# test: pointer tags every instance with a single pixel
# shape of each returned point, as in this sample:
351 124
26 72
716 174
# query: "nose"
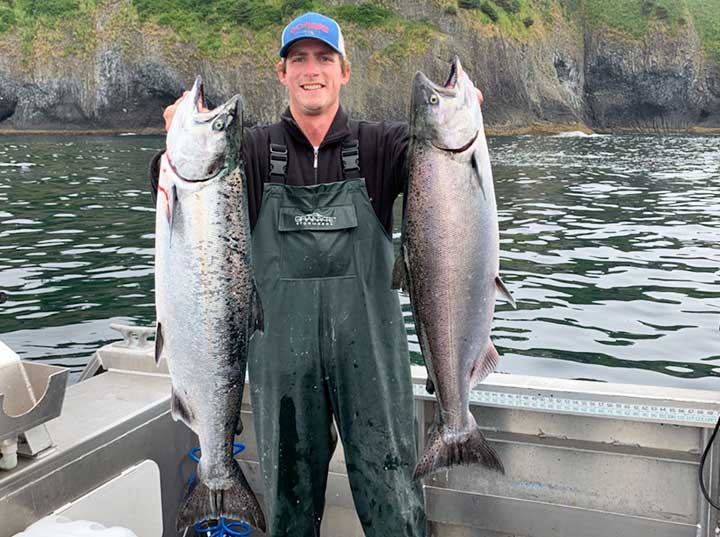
311 67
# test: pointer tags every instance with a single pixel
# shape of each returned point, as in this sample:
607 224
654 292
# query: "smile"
311 87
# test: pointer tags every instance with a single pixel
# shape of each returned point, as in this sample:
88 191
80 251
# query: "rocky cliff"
115 70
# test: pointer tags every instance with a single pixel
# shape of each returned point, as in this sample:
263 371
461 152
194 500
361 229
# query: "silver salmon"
449 261
206 299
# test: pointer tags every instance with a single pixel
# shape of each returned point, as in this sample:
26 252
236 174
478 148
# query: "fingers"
169 112
481 97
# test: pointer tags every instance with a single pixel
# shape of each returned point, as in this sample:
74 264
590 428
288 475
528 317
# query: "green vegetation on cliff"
635 18
218 26
227 28
706 16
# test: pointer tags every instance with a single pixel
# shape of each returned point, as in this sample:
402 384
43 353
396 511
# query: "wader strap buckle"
278 160
351 159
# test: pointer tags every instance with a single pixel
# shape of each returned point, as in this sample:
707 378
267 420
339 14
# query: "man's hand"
169 112
481 97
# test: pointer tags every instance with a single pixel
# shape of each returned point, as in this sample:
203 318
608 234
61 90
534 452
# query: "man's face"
313 76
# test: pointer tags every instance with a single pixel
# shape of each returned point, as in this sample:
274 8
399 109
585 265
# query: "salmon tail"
237 502
444 450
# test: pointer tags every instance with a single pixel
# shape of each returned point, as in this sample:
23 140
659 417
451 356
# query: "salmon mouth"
459 149
453 76
199 91
200 103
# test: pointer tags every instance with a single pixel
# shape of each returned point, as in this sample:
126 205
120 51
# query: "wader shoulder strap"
278 155
350 155
351 159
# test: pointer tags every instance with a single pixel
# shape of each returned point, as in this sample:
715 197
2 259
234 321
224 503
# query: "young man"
321 191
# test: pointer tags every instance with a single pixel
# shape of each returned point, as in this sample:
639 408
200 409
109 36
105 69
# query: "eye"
219 124
433 99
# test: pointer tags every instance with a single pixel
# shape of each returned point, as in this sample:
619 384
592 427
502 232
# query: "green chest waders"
334 346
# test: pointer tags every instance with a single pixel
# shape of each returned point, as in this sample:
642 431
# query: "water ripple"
609 245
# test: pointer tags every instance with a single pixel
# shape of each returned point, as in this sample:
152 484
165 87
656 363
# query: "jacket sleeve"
383 154
397 140
256 161
155 175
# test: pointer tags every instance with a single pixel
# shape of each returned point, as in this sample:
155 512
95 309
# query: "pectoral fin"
167 197
173 206
478 172
504 291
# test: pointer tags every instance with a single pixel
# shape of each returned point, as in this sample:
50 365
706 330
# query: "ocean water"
610 246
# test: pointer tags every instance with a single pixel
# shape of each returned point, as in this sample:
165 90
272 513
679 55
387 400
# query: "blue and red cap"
313 26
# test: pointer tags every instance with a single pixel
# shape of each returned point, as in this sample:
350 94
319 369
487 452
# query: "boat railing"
582 458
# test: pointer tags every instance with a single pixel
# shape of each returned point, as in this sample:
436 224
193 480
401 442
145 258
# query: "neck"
314 127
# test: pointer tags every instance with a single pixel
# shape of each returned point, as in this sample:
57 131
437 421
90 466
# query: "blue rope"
224 527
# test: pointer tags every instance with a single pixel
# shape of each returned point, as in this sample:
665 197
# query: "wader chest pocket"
317 243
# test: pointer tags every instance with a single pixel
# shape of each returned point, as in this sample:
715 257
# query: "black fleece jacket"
383 150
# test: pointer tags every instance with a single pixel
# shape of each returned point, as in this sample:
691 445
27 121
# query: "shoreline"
560 128
532 129
82 132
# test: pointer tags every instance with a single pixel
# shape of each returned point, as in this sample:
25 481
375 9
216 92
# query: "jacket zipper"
316 150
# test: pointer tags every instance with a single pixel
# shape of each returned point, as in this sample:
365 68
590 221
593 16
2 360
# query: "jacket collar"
339 128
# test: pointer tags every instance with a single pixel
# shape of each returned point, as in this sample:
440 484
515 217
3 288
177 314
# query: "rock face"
566 75
107 93
655 84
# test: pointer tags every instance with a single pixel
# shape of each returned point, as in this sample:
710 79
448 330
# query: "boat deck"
582 458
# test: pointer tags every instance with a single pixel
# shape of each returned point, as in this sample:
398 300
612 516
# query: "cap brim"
286 48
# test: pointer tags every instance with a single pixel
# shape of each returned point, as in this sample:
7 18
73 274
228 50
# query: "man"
321 191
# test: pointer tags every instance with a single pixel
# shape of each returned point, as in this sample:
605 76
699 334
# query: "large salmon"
206 300
449 261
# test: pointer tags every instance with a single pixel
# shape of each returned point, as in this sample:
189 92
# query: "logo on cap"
316 26
310 26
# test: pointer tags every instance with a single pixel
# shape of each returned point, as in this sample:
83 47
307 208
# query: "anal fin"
179 410
429 386
159 342
485 364
399 275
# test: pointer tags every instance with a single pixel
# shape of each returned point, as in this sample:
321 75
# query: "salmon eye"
434 99
219 124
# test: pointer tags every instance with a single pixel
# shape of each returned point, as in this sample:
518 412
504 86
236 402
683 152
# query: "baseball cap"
315 26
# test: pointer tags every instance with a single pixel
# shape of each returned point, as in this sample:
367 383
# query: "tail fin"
236 502
443 452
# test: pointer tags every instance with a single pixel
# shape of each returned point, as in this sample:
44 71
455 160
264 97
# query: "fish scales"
206 300
449 261
453 298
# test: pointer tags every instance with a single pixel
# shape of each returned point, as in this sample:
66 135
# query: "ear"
346 75
280 73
